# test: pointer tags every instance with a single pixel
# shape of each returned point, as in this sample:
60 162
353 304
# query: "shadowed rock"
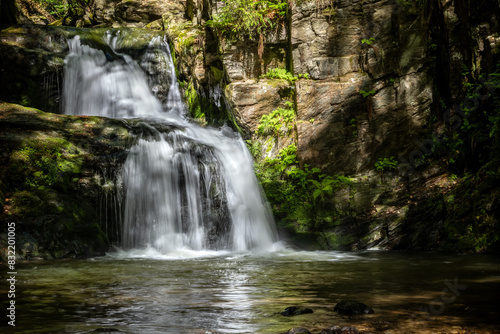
298 330
340 330
294 310
351 307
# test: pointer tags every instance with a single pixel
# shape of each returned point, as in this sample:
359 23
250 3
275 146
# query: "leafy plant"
302 193
353 123
281 74
365 94
280 120
384 164
368 41
247 18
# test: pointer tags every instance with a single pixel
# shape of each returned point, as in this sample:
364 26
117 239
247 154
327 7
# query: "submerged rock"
298 330
339 330
294 310
352 307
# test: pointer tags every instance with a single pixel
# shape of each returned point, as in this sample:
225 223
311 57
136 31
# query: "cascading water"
189 187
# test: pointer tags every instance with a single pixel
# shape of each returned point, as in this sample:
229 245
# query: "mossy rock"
51 167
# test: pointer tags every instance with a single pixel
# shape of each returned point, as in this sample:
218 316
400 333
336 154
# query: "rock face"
58 179
250 100
133 13
380 75
32 65
351 131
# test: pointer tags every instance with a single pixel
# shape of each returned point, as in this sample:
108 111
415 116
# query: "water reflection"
242 292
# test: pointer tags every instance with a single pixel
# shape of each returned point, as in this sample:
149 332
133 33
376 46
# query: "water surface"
226 292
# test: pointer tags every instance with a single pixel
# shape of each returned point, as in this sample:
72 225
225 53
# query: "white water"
192 188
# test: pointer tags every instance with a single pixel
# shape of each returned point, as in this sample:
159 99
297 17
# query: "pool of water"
220 292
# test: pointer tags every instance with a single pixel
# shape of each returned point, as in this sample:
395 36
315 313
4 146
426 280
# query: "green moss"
194 102
217 74
330 240
48 161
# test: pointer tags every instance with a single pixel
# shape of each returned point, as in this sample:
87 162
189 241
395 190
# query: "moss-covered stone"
51 167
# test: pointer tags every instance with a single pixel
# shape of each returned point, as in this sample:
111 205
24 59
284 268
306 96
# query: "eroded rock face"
32 65
350 131
60 176
250 100
133 13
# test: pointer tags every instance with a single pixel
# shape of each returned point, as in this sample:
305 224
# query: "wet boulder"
294 310
352 307
340 330
298 330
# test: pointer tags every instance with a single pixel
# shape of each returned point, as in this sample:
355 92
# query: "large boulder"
60 180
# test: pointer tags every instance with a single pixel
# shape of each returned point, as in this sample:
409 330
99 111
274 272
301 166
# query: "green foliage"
185 43
365 94
62 8
353 123
278 121
239 19
472 137
384 164
494 115
368 41
282 74
473 225
46 163
303 193
194 102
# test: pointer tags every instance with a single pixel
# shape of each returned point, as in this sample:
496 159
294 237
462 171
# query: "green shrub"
303 193
368 41
280 74
248 18
384 164
62 8
365 94
280 120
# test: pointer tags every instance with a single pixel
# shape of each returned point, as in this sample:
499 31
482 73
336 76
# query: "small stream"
227 292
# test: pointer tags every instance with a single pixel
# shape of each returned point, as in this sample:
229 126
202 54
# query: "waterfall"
188 187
